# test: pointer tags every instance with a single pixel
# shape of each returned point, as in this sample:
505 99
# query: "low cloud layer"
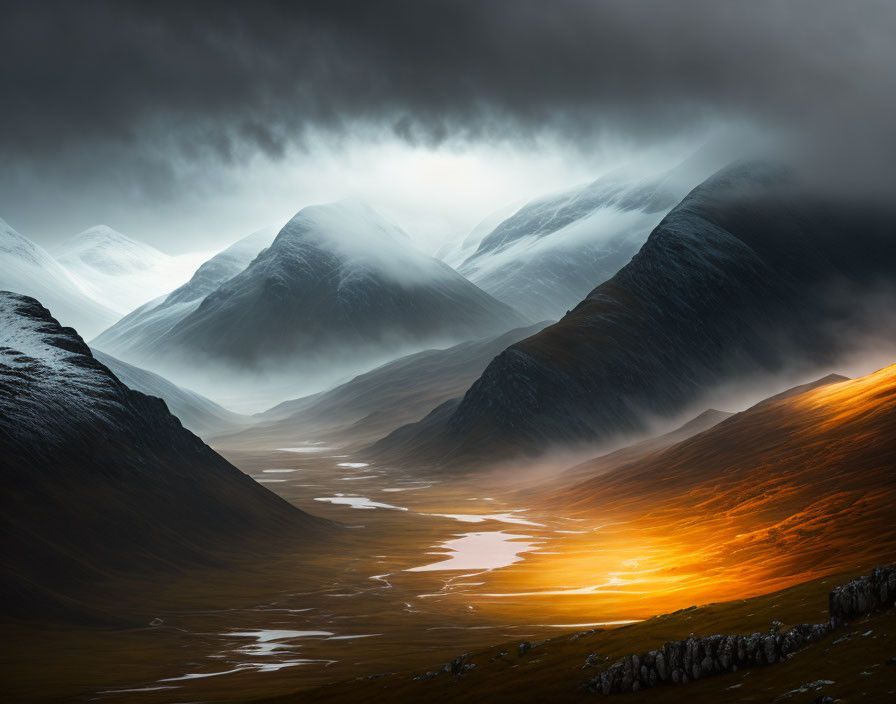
155 101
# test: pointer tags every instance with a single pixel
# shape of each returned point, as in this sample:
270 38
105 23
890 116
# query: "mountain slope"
119 272
545 257
99 480
380 400
197 413
339 284
794 484
645 448
455 253
27 268
745 277
639 450
134 333
552 252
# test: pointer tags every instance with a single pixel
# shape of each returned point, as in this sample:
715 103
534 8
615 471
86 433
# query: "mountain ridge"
333 278
27 268
718 270
108 482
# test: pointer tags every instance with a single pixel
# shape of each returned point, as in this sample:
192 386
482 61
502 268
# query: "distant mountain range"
746 276
122 273
376 402
339 286
134 335
99 480
28 268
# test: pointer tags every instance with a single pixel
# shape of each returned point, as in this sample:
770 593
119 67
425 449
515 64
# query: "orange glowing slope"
788 490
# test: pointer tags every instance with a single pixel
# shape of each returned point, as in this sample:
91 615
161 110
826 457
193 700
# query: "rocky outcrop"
863 595
680 662
457 667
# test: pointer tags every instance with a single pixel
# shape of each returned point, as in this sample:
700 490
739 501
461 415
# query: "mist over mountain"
197 413
135 332
340 459
28 268
809 470
108 481
747 276
550 253
339 285
376 402
119 272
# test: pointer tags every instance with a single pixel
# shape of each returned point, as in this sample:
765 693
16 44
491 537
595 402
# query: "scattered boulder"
456 666
582 634
526 646
808 687
594 659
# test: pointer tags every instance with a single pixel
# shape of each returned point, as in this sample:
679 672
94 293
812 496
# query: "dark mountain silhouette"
746 276
101 482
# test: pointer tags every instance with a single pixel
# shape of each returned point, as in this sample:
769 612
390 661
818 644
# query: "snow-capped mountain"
547 255
455 253
28 268
98 480
340 285
134 333
122 273
746 278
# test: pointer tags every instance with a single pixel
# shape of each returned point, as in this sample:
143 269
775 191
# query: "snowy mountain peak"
121 272
109 252
20 247
100 233
27 268
361 238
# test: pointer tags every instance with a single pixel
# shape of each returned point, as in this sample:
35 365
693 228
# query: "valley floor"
374 600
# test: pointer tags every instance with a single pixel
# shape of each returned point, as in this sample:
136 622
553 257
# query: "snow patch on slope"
59 385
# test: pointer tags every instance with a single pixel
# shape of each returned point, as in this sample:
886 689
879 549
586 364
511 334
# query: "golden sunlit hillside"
784 492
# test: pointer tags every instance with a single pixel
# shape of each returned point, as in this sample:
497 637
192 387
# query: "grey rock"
680 662
661 666
455 667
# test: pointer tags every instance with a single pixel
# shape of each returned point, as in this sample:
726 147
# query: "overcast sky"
190 124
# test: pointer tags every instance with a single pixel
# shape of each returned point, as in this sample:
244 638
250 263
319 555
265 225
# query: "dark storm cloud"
224 74
141 88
